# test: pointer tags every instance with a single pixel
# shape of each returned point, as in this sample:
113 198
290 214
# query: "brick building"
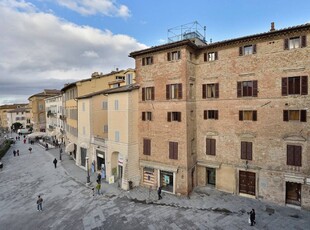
231 114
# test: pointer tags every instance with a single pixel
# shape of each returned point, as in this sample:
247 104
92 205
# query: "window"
293 155
210 146
146 116
120 78
295 42
174 91
104 105
250 115
116 104
147 60
175 55
210 114
148 93
129 78
174 116
210 90
211 56
117 136
173 150
295 85
146 146
247 89
295 115
247 50
246 150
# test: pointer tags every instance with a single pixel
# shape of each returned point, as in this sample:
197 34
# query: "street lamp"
88 177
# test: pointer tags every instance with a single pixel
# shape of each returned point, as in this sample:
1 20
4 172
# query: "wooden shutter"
205 114
143 61
179 116
153 93
249 150
169 116
167 92
213 144
216 114
217 92
254 115
144 146
170 150
286 43
240 51
284 86
176 150
254 88
143 116
208 146
205 57
152 60
241 115
297 155
169 56
239 89
179 91
204 91
254 49
303 41
304 85
215 55
179 54
243 150
285 115
150 115
303 115
290 155
143 94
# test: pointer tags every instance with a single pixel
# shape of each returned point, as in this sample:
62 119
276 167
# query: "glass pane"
248 50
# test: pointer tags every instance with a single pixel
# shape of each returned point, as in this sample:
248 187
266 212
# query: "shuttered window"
147 61
246 150
294 155
148 94
248 115
174 116
295 42
146 116
295 85
247 50
210 146
295 115
174 91
210 56
210 90
211 114
247 89
173 150
175 55
146 146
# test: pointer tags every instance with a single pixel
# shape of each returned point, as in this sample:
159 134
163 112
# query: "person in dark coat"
252 217
14 152
99 178
159 193
55 162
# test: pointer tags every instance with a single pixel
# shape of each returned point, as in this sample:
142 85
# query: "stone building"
232 115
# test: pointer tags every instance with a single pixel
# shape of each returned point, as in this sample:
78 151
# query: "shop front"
167 181
101 167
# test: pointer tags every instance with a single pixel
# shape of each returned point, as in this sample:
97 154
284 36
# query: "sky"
45 44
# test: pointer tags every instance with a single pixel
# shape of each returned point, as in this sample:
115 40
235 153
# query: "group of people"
16 152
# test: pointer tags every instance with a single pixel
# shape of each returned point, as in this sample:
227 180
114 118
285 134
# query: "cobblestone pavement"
70 204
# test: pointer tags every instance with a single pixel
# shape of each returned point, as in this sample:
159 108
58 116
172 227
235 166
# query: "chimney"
272 27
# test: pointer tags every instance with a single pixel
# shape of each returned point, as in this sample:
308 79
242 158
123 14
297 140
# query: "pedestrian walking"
252 217
30 149
99 178
159 193
24 141
98 187
17 152
39 203
14 153
46 146
55 162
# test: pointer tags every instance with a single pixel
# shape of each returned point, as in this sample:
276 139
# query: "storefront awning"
160 166
69 147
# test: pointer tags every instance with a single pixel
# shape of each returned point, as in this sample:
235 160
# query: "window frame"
147 116
174 55
148 93
147 60
294 155
290 85
302 42
174 91
147 146
302 115
210 114
242 115
242 50
173 150
174 116
247 91
210 56
210 90
246 150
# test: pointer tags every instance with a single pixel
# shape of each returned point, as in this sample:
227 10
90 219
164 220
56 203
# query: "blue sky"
46 43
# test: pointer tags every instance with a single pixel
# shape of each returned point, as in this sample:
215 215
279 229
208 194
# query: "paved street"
70 204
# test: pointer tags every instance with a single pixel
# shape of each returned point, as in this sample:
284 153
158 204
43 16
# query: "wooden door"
247 182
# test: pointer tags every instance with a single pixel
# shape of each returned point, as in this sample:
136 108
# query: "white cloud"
92 7
39 50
